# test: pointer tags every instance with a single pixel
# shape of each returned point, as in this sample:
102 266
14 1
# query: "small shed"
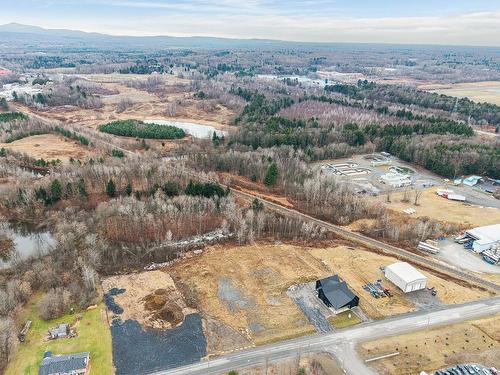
405 277
62 330
336 294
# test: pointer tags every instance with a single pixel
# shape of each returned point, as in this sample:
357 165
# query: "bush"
117 153
135 128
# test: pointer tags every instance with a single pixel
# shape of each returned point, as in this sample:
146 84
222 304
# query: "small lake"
194 129
28 240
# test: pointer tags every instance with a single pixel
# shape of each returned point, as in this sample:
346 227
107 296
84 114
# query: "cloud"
475 29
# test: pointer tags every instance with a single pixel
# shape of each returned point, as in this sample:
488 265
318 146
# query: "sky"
459 22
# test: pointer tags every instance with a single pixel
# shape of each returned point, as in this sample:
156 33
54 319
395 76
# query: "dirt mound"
163 307
151 298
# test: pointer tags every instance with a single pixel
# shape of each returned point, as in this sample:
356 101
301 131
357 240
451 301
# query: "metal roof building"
335 293
405 277
484 237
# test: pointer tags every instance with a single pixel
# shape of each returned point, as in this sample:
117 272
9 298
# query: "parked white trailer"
405 277
428 248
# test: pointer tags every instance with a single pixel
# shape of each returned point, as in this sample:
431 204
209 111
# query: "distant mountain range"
15 34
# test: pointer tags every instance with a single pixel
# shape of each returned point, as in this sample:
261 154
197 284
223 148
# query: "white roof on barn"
490 233
406 272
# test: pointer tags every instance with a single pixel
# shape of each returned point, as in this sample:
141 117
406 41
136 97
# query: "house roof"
63 363
337 292
406 272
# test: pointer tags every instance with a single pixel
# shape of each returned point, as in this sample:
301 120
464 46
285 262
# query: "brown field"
488 91
476 341
441 209
260 274
147 105
49 147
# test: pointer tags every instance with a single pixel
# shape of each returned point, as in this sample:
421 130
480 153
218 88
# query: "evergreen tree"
41 195
3 104
81 188
128 189
111 189
55 191
271 175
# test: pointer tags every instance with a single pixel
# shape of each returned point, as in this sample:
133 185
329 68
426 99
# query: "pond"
28 240
194 129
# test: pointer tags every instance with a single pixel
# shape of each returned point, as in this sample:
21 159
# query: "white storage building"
405 277
395 179
484 237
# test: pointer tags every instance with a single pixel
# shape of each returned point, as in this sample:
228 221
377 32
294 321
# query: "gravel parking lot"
455 254
305 296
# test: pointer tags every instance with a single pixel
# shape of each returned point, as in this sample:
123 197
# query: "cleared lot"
475 341
245 288
49 147
441 209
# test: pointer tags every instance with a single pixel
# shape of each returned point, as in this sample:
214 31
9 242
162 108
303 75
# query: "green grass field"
94 336
342 320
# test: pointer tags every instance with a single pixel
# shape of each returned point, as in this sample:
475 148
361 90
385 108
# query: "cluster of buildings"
336 294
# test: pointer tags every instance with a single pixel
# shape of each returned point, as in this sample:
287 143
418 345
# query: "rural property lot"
49 147
476 341
441 209
93 335
245 287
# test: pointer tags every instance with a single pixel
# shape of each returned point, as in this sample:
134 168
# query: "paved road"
342 342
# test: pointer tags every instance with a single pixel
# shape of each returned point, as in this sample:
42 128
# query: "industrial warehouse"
483 240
